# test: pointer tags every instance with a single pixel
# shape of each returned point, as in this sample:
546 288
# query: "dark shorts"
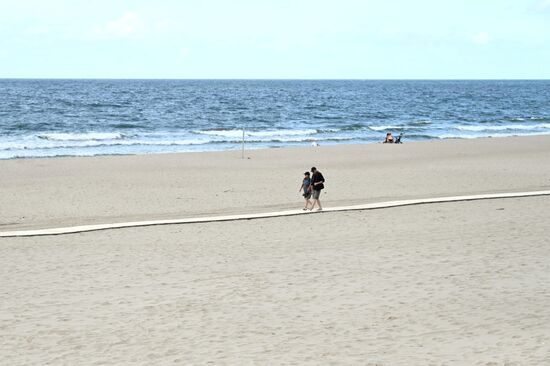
316 194
307 195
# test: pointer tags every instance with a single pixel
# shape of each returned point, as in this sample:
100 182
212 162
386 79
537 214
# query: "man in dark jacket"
317 184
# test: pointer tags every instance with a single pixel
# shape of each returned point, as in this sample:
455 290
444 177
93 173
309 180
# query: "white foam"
222 133
457 136
93 136
266 133
383 128
495 134
301 139
275 133
503 127
165 142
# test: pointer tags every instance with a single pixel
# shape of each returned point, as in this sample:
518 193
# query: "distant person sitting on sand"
306 187
392 140
317 184
389 138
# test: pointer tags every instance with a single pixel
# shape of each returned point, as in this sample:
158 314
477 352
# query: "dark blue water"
92 117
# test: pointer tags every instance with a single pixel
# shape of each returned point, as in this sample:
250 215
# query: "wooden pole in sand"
242 155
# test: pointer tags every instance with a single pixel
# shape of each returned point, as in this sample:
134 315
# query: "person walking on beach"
306 187
317 184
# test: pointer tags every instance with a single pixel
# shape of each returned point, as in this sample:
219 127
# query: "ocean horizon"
88 117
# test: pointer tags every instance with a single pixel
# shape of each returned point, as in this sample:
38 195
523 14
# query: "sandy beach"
443 284
39 193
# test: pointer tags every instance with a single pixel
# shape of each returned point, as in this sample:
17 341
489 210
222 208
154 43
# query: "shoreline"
238 149
171 116
56 192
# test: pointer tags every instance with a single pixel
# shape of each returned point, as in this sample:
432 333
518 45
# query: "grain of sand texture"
443 284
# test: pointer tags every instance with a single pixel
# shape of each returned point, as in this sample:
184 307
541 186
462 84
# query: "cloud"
543 5
129 24
481 38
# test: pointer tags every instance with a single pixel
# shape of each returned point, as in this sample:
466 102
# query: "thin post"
242 155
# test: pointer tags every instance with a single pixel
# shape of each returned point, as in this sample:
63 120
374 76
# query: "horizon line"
279 79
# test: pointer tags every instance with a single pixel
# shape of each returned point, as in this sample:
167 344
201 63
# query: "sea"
49 118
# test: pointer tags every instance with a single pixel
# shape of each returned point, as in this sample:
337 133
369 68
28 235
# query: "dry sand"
444 284
59 192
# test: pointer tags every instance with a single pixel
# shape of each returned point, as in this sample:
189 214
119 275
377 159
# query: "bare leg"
313 204
307 203
317 201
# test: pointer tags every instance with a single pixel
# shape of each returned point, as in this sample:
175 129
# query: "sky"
277 39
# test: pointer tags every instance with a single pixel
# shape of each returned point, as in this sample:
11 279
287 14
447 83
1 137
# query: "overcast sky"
304 39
